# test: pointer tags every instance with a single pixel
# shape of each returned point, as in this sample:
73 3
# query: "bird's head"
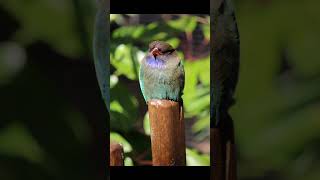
159 49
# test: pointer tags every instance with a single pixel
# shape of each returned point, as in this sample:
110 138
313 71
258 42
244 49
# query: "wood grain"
167 133
217 155
116 154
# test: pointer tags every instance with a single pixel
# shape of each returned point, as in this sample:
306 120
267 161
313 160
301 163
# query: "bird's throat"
155 63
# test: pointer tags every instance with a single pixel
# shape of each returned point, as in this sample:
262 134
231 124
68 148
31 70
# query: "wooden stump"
223 152
167 133
116 154
217 155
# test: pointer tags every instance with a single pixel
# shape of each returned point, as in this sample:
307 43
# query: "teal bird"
101 50
161 74
225 54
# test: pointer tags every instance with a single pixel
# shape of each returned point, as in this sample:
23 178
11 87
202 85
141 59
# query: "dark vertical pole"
217 155
223 151
167 133
230 151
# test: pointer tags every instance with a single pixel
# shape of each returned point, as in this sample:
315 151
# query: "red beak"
155 52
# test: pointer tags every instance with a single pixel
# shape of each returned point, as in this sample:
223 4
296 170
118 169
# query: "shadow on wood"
116 154
217 155
167 133
223 151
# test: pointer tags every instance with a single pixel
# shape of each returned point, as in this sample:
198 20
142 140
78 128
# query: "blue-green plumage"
161 73
101 51
225 56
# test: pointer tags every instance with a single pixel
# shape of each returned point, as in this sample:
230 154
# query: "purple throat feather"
155 62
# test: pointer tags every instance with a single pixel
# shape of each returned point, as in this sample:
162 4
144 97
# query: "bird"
225 52
161 73
224 66
101 50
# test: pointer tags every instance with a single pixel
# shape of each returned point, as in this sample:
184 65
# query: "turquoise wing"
101 53
141 81
225 54
182 78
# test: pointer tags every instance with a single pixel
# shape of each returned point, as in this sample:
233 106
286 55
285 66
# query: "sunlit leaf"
146 124
113 80
174 42
115 137
16 140
185 23
206 31
125 61
196 159
129 31
203 123
128 161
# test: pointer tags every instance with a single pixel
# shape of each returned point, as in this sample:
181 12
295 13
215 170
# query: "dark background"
277 112
52 117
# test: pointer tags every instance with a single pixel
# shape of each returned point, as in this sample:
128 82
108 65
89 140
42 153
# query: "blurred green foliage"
54 22
47 131
277 113
129 43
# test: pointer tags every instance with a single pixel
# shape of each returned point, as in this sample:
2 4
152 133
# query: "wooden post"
116 154
167 133
217 155
223 151
231 161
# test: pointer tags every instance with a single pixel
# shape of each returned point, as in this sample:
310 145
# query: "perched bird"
101 51
225 51
161 74
225 54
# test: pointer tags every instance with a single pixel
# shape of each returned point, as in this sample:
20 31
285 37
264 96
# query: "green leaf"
13 58
128 161
199 104
113 80
206 31
134 32
38 22
174 42
185 23
190 81
160 35
204 73
116 107
196 159
200 124
123 109
146 124
115 137
16 140
125 61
